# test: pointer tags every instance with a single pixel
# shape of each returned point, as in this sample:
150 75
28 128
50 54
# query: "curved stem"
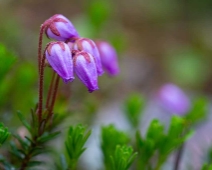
40 102
50 90
40 46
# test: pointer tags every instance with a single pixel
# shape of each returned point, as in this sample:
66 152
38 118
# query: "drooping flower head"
60 59
60 28
88 45
173 99
85 69
108 57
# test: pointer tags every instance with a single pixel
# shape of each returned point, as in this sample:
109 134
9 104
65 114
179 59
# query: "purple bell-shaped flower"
88 45
59 57
85 69
172 98
108 57
60 28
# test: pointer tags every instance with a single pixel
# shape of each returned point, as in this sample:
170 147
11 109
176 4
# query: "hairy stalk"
54 87
50 90
40 46
40 102
54 97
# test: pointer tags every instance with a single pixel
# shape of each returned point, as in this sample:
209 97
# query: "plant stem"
50 90
40 46
54 97
28 156
40 102
35 143
178 156
72 165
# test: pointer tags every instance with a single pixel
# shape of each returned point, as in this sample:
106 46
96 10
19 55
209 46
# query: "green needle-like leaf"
3 134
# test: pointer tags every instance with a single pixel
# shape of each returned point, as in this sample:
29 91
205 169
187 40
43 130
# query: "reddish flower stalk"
40 46
40 102
50 90
56 85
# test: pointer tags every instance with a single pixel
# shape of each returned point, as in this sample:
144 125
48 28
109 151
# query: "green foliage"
7 60
25 149
98 12
157 144
47 136
23 120
122 158
207 167
208 161
133 108
77 136
111 137
3 134
18 79
186 66
198 111
24 78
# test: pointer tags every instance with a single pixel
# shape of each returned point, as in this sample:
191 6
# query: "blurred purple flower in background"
85 68
59 57
88 45
172 98
108 57
60 28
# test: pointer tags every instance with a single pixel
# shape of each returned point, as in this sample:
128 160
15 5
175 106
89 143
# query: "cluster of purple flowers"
72 53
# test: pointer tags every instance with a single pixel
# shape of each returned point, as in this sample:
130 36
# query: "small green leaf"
15 151
122 158
111 137
133 107
34 163
24 121
24 142
155 131
39 150
3 134
47 136
198 111
77 136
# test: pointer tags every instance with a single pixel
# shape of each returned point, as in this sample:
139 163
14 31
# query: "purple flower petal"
174 99
59 57
108 57
87 45
60 28
85 68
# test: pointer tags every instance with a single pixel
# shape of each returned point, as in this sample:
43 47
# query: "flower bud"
173 99
87 45
60 28
108 57
59 57
85 68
